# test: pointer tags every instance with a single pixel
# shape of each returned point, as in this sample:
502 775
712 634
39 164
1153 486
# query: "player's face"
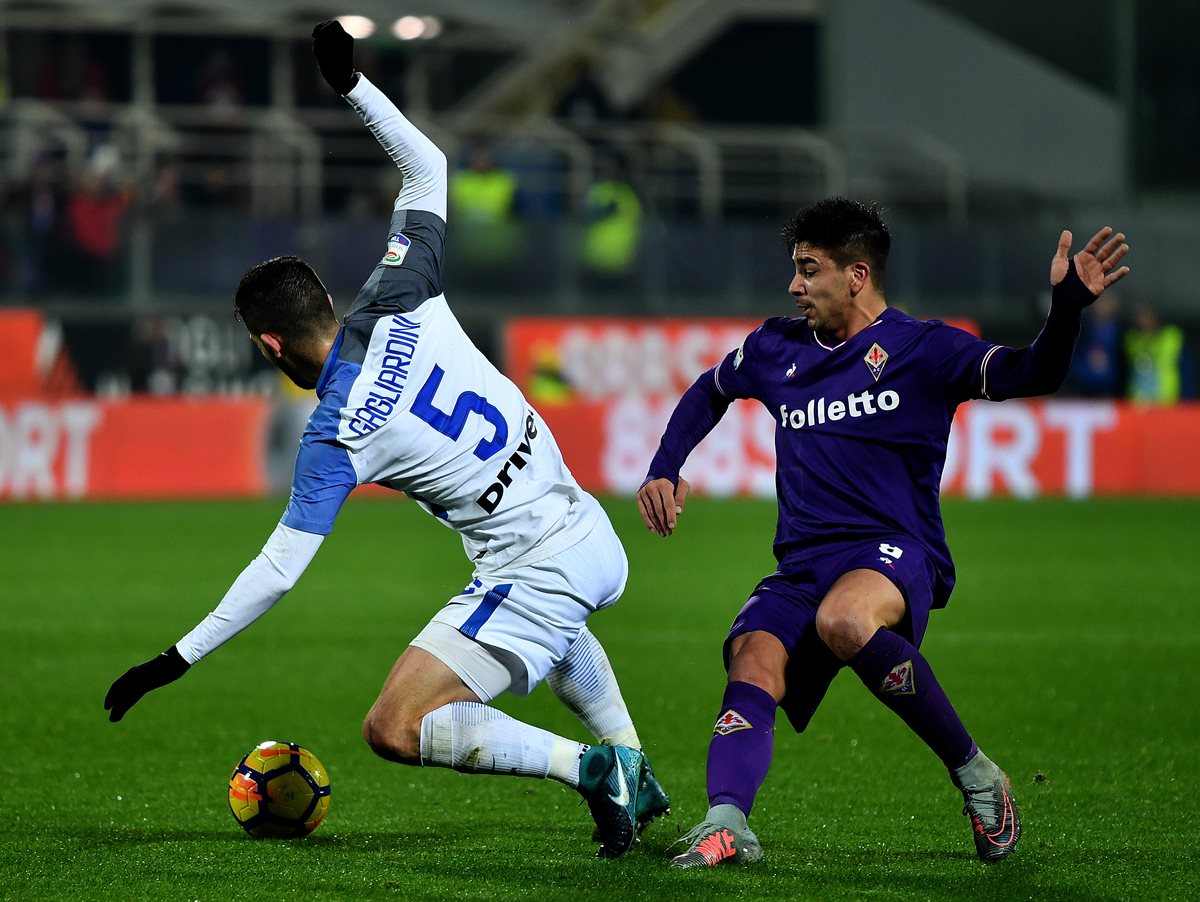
821 289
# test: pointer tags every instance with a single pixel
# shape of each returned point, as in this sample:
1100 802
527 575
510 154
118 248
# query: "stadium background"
612 159
644 156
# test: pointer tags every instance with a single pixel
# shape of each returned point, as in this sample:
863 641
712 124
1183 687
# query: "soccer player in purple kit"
863 398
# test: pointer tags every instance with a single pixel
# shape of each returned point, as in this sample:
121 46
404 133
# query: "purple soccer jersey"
861 427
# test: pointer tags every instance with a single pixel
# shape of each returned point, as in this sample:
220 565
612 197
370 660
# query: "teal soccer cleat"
653 801
610 779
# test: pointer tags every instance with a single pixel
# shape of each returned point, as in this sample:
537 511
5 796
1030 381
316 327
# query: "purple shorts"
785 605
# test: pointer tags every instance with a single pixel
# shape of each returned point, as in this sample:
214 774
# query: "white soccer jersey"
407 401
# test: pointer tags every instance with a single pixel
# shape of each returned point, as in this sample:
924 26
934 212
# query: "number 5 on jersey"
452 424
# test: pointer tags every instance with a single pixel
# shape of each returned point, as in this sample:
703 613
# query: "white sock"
979 771
565 755
727 816
479 739
584 681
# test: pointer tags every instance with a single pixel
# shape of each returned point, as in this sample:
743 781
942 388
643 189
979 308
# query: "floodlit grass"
1070 648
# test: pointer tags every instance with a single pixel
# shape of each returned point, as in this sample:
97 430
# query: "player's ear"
860 276
271 342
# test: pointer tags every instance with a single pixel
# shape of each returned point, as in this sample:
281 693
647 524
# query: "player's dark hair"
845 229
283 295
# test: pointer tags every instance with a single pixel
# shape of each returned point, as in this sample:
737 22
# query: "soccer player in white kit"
407 401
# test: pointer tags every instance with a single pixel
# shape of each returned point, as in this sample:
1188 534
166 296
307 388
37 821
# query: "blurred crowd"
1138 357
67 215
67 211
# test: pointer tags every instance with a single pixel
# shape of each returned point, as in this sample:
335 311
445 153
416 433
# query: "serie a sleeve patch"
397 249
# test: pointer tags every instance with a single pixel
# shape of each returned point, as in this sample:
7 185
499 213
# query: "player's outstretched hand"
334 51
137 681
660 503
1096 264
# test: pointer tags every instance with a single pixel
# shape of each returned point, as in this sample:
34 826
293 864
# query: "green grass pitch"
1070 648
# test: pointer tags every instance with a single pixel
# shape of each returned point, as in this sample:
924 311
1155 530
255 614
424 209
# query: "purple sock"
892 668
740 751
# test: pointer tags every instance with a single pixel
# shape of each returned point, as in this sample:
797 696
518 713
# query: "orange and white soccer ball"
280 789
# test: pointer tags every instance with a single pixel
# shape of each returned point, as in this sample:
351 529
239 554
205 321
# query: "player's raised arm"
411 270
421 162
1076 282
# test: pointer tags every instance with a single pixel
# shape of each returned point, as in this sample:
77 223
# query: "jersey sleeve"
1041 368
410 271
265 580
323 477
970 368
962 359
734 375
421 163
698 411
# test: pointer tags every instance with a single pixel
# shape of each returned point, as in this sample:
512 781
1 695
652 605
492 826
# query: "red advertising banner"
137 448
607 387
57 443
560 360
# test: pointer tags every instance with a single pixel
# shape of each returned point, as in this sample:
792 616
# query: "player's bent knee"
830 623
843 629
392 738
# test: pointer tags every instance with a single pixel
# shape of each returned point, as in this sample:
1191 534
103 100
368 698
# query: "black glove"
137 681
334 51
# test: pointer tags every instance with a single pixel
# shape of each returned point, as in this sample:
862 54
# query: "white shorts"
508 628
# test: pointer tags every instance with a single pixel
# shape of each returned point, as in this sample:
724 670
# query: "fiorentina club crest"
731 722
875 359
899 680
